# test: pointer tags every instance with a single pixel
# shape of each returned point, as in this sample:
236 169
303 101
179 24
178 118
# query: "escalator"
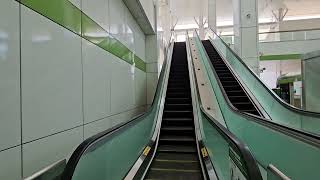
174 139
232 87
274 145
176 156
269 104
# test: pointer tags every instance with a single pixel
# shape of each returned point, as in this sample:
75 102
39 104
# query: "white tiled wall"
51 77
71 88
97 11
96 82
9 75
10 164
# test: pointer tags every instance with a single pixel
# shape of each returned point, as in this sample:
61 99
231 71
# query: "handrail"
277 172
81 149
250 162
282 102
43 172
309 138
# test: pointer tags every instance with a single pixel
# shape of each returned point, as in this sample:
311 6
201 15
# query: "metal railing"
281 36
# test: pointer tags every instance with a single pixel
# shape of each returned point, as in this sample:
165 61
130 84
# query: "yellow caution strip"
204 152
146 150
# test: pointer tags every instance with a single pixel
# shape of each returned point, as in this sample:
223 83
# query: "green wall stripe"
280 57
69 16
140 63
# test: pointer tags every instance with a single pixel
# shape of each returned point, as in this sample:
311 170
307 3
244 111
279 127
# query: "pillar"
245 19
212 15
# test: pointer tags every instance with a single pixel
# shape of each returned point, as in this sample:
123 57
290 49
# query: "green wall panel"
280 57
69 16
92 32
139 63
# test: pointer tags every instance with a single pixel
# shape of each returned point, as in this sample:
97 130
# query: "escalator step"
178 100
178 94
177 121
179 156
175 164
177 89
185 106
177 113
178 128
171 174
175 138
177 148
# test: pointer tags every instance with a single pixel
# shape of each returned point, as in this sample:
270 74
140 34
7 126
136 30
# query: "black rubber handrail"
81 149
312 139
286 105
243 150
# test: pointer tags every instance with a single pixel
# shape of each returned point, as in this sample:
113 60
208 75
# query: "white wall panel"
51 77
58 69
96 81
117 19
140 42
152 80
140 87
10 126
130 30
107 123
122 86
10 164
43 152
98 11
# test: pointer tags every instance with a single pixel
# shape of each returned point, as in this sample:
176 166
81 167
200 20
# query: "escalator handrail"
275 96
306 137
249 160
81 149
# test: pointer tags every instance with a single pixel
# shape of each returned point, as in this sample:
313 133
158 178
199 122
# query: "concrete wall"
59 86
289 47
299 24
149 8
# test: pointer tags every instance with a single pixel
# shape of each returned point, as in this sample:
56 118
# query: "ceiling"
186 10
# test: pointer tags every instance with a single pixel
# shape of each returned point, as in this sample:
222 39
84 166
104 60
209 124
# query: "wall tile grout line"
79 126
11 147
82 77
114 115
20 56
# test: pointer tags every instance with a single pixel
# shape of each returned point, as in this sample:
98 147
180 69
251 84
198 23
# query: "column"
245 19
212 15
152 66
